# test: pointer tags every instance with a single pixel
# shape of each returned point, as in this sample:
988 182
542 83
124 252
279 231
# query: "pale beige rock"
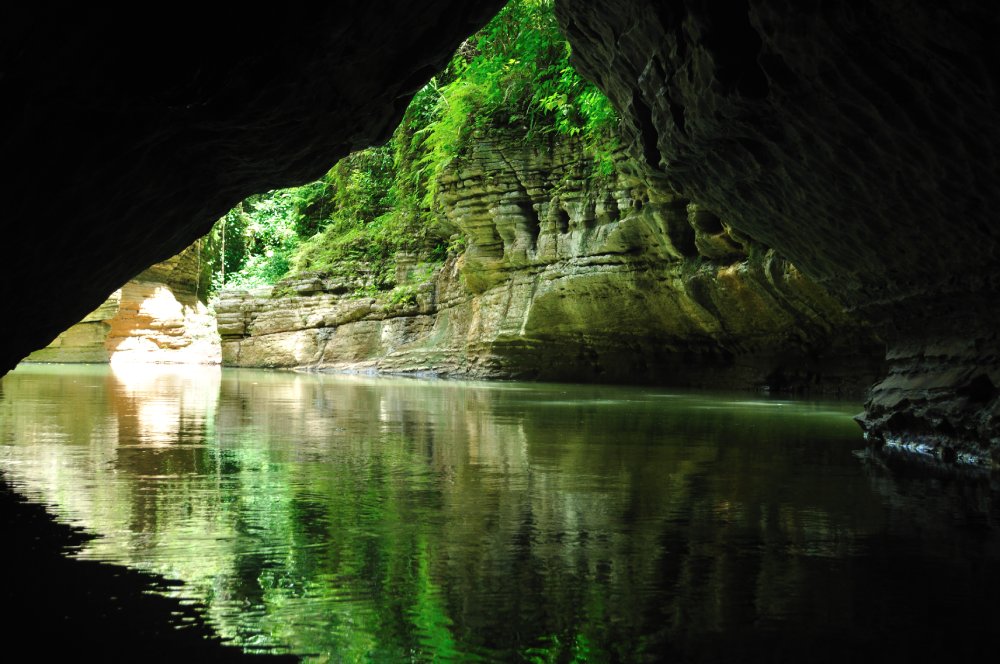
155 318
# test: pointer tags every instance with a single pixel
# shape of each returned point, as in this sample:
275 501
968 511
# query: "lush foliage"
512 77
374 214
256 239
515 73
264 237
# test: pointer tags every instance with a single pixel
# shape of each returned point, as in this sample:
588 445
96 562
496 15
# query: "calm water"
367 519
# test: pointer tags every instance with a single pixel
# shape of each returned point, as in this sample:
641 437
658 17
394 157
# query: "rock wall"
572 276
156 317
860 141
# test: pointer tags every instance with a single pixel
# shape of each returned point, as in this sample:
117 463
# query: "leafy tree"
256 240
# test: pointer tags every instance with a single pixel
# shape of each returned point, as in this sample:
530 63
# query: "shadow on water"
59 608
389 519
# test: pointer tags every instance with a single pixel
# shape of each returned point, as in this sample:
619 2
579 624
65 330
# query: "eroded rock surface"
861 142
570 275
156 317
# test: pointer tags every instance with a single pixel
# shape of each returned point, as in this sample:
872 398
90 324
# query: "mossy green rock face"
569 275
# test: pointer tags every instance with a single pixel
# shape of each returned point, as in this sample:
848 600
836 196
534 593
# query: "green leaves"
255 240
513 74
512 77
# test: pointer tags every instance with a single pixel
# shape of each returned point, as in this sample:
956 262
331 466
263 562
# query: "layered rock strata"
862 142
156 317
570 275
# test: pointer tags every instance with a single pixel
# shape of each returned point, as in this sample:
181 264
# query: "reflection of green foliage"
430 615
408 520
552 649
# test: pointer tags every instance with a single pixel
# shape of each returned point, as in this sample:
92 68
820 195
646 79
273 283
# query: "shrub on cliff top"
512 77
514 74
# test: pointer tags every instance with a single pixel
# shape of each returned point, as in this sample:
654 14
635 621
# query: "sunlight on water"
347 518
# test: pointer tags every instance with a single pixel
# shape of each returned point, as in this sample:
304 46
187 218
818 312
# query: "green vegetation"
254 242
513 77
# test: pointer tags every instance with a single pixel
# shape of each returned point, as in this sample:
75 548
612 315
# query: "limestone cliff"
568 274
156 317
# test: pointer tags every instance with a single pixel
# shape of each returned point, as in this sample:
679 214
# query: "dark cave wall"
859 140
123 143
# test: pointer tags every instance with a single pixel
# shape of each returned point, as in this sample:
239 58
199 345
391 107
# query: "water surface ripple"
379 519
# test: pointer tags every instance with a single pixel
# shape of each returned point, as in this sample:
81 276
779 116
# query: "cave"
860 142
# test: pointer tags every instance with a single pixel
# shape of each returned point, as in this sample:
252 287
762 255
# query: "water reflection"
390 519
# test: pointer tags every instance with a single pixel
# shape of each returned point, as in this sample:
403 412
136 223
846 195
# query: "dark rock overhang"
862 141
125 137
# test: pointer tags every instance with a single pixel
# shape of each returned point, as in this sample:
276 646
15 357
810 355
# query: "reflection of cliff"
937 496
155 317
374 517
146 423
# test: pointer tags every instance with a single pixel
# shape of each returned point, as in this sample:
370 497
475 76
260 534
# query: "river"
349 518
